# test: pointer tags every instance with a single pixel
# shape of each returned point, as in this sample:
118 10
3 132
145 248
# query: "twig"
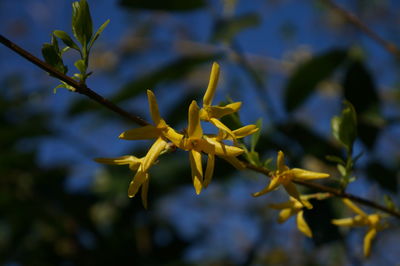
81 88
388 46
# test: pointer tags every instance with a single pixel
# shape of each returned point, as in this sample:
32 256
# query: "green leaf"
98 32
53 58
306 77
256 136
67 40
171 5
226 29
344 127
80 65
335 159
82 25
57 87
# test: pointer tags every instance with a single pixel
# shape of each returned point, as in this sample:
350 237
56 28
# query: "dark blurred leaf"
359 88
227 28
344 126
319 219
170 72
307 76
164 5
384 176
368 132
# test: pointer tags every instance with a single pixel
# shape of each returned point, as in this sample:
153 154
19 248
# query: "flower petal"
216 111
133 161
146 132
368 241
285 214
280 206
209 169
194 127
136 182
221 126
144 192
307 175
197 170
153 153
245 131
352 221
155 113
280 162
273 184
212 85
174 137
302 224
209 145
354 207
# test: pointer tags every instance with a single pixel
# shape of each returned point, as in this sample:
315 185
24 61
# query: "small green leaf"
306 77
59 86
256 136
342 170
80 65
82 25
344 127
53 58
66 39
98 32
335 159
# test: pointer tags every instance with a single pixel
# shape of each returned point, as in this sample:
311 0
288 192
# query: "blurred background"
290 62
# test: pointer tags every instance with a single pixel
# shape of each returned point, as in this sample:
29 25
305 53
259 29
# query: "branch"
388 46
81 88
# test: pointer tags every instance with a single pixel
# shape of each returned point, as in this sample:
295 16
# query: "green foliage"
306 77
171 5
344 127
52 55
82 25
66 39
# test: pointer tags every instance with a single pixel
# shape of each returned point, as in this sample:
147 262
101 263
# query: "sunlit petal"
280 162
307 175
353 221
133 161
209 169
212 146
220 111
153 153
368 241
155 113
245 131
212 85
174 137
194 127
302 225
354 207
146 132
136 182
197 170
285 214
292 191
273 184
221 126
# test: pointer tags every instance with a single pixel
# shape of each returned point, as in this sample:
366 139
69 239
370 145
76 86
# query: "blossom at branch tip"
212 113
141 166
294 207
372 221
284 176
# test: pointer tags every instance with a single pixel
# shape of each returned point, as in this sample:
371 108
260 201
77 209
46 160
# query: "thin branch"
388 46
80 88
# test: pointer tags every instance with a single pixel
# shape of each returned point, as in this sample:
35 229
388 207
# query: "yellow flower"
141 165
372 221
196 142
284 176
290 208
212 113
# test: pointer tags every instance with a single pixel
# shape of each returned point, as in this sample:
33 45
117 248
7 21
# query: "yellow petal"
212 85
292 191
136 182
220 111
221 126
155 114
273 184
354 207
285 214
133 161
352 221
245 131
238 164
209 145
144 192
283 205
307 175
153 153
197 170
302 225
174 137
146 132
209 169
280 162
368 241
194 127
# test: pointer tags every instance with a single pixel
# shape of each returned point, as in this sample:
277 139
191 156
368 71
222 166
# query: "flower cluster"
192 140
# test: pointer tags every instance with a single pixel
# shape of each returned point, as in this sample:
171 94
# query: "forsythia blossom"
372 221
284 176
193 140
